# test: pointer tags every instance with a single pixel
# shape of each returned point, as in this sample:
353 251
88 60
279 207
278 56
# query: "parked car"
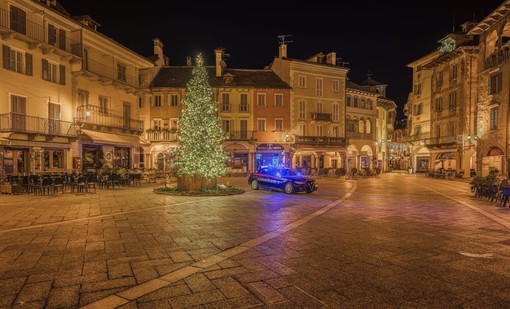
281 179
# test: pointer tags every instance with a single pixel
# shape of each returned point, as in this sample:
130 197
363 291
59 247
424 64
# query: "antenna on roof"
283 38
339 62
453 22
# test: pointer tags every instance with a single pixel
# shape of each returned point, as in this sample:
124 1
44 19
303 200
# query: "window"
302 110
319 107
318 87
417 131
243 129
16 60
174 123
103 104
355 102
157 124
494 119
336 112
439 105
417 89
158 100
368 126
18 110
261 124
335 85
140 102
336 131
417 110
278 100
368 104
121 72
53 124
18 20
56 37
452 104
302 81
351 125
278 124
361 126
454 71
243 106
451 128
438 130
174 100
261 99
225 102
226 125
319 130
302 129
495 83
348 101
53 72
83 98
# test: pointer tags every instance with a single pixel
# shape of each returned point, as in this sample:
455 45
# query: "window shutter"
45 69
62 39
28 63
6 54
62 75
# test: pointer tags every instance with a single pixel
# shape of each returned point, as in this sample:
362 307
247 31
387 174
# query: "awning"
111 138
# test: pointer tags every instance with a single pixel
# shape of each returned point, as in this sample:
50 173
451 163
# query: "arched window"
355 104
368 126
361 126
362 104
348 101
369 104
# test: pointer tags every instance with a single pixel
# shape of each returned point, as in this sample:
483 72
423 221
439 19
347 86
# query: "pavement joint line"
123 297
479 210
24 228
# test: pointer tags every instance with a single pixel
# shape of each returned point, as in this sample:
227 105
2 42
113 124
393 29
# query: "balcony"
18 123
36 35
321 117
362 136
244 108
320 141
161 135
444 141
94 116
239 135
417 137
108 75
497 57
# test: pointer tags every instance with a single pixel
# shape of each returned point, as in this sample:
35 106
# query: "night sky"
380 37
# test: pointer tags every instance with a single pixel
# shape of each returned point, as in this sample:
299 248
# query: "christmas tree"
201 158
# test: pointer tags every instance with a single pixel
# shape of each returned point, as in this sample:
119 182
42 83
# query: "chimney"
282 51
188 61
331 58
219 54
158 51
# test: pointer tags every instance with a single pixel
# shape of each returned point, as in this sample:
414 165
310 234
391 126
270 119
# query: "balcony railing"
109 72
321 141
39 33
497 57
12 122
442 140
321 117
238 135
91 114
358 135
417 137
161 135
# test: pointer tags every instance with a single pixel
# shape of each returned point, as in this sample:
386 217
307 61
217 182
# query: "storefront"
271 154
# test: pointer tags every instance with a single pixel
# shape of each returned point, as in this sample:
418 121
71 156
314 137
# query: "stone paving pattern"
399 240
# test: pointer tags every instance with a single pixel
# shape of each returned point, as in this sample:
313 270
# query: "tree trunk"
195 183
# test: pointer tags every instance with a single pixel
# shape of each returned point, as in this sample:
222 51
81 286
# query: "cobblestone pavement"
399 240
